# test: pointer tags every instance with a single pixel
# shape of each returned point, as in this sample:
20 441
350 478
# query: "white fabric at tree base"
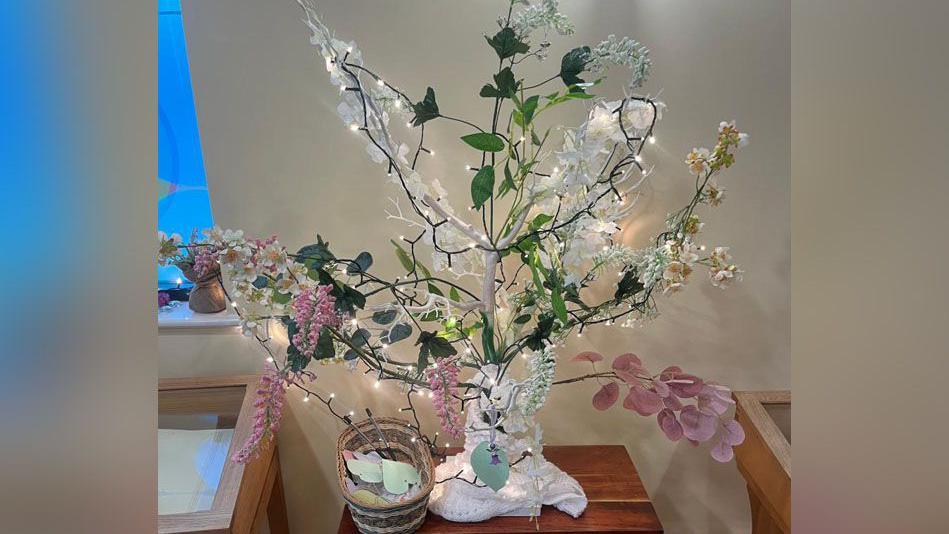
459 501
532 481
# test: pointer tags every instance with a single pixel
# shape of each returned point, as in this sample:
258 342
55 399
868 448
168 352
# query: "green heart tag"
491 467
369 498
366 471
397 476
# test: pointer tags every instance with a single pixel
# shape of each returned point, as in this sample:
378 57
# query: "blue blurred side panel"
183 202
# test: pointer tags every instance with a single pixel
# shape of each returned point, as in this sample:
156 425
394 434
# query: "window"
183 201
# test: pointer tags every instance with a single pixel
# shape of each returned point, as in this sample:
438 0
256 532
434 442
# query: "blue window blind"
183 201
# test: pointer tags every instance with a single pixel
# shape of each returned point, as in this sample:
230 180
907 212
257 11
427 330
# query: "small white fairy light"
431 153
332 395
269 359
652 139
472 244
467 167
430 395
638 158
354 126
351 413
380 82
408 125
398 104
377 384
556 170
385 346
354 322
522 139
307 398
349 49
412 440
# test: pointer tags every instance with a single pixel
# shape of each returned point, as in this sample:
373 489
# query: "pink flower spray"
312 310
271 395
442 379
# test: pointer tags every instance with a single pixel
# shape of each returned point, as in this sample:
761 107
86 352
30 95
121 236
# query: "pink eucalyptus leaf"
628 362
722 452
672 402
669 372
642 401
710 402
660 388
588 356
733 433
685 385
669 424
697 425
606 397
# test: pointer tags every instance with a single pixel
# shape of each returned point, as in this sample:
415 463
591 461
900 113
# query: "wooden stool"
618 501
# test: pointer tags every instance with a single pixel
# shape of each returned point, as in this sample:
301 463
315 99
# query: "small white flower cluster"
168 247
542 366
721 271
544 14
246 263
578 180
624 52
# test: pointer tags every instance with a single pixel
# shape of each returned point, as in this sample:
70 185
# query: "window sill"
181 317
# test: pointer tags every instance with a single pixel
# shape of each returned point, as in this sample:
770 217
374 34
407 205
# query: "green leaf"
522 319
425 110
454 295
506 44
629 285
540 220
403 256
484 141
361 264
573 63
482 186
545 325
348 299
384 317
397 333
558 305
487 340
297 360
431 345
433 289
508 183
528 109
324 347
316 255
360 337
505 85
350 355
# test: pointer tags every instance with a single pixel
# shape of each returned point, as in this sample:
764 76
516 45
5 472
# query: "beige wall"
280 162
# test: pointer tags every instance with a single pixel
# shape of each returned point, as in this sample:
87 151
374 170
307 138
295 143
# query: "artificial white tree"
510 276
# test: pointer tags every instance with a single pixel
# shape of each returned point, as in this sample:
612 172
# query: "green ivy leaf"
484 141
454 295
505 85
573 63
508 183
361 264
482 186
425 110
432 346
629 285
506 44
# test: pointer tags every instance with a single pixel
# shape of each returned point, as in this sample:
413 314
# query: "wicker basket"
396 518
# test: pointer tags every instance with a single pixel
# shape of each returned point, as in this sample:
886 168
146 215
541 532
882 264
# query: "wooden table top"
617 499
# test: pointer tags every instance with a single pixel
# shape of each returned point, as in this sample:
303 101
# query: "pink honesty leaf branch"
606 396
588 356
643 401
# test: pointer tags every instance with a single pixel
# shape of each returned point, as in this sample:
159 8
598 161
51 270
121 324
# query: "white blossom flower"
697 160
721 271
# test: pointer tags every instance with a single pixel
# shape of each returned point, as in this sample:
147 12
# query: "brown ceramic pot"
207 296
